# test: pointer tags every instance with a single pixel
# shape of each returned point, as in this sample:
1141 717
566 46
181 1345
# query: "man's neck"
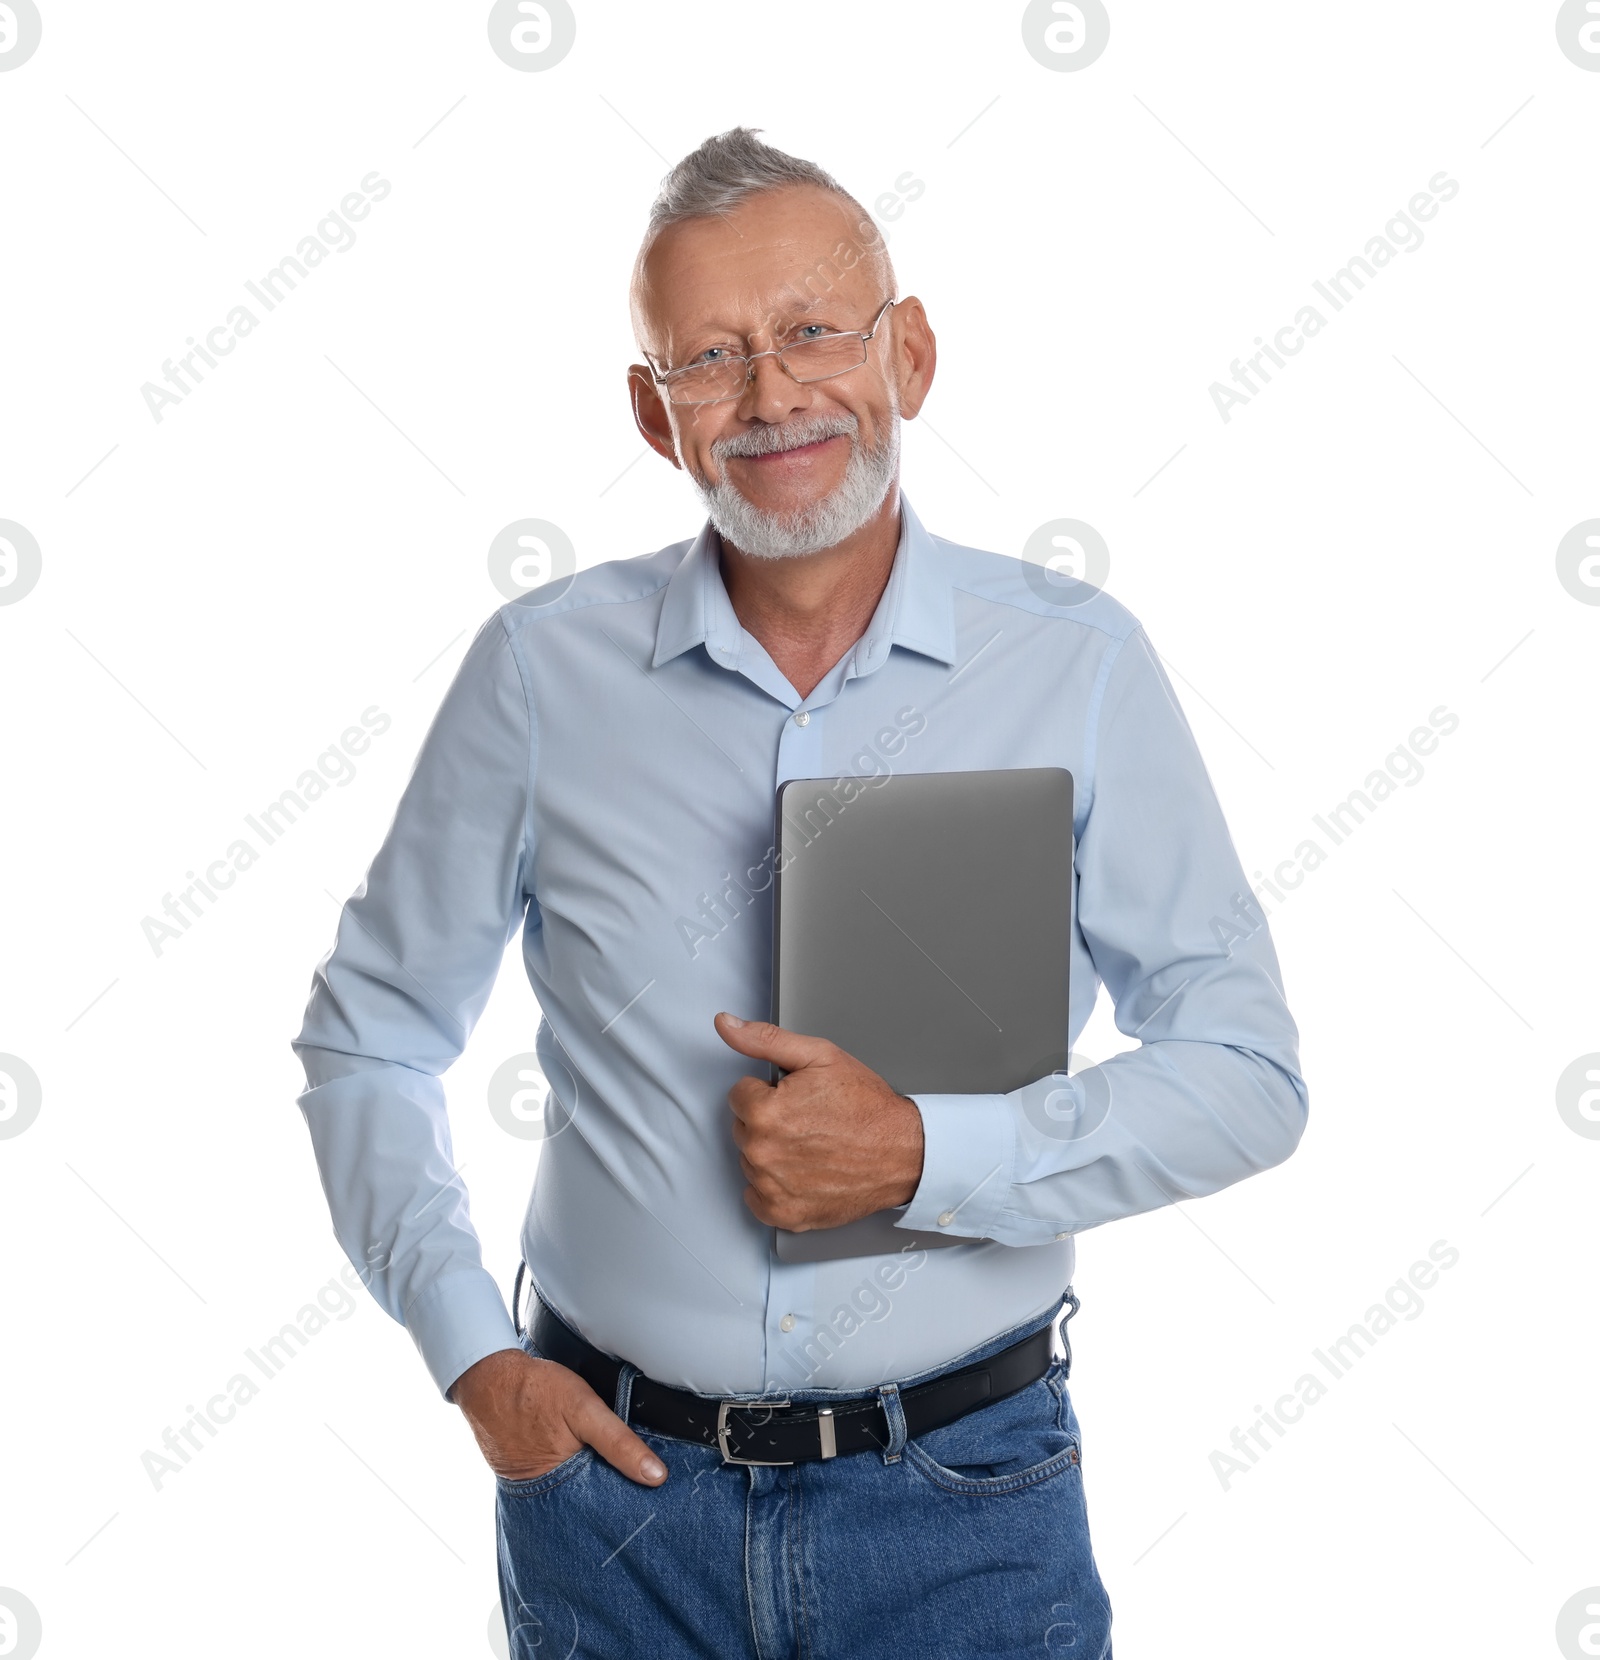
808 610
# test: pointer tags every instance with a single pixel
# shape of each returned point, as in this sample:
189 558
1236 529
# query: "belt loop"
1066 1342
516 1298
625 1390
894 1412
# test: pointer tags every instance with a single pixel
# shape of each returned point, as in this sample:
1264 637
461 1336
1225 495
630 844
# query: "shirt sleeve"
1213 1093
395 997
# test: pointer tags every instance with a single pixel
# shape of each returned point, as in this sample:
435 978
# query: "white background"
305 535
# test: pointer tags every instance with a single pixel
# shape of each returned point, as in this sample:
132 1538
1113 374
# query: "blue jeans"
972 1540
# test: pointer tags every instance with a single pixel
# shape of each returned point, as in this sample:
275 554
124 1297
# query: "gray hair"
728 169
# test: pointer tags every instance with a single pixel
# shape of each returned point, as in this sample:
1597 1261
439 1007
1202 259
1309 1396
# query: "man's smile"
802 455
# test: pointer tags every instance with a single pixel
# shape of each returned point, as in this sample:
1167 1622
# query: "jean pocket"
1006 1446
570 1466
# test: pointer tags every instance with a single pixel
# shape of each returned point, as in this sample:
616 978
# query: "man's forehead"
750 306
790 253
753 299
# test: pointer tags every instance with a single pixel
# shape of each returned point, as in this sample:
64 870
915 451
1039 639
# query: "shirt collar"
917 609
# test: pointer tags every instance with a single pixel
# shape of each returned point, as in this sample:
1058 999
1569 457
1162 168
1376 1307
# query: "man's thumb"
764 1041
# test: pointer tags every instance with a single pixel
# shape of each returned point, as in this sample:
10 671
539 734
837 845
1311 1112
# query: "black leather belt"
773 1431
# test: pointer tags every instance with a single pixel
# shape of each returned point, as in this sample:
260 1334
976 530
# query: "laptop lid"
922 921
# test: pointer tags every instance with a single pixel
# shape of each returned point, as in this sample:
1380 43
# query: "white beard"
821 524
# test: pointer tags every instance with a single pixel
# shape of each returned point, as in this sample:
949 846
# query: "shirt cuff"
458 1320
969 1145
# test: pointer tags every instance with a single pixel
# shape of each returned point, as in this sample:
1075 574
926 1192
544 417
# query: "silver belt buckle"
723 1408
825 1432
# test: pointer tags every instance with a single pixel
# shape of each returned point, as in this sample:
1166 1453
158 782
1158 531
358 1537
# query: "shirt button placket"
800 747
800 753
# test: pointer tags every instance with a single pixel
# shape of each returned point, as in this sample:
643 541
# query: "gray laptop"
922 921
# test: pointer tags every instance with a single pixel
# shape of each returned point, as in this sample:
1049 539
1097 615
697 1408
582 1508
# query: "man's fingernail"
733 1019
653 1469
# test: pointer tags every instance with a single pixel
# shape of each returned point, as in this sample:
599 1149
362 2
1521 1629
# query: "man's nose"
771 393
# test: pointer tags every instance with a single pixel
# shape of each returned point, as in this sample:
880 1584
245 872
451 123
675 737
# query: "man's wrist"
481 1375
908 1173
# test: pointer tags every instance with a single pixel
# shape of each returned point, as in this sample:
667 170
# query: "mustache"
774 440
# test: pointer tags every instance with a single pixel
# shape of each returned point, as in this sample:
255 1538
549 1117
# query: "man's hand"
530 1414
831 1142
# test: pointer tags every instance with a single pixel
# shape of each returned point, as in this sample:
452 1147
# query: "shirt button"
803 718
1061 1236
946 1217
786 1323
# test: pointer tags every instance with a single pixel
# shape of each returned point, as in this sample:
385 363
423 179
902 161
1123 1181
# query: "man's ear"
916 355
650 413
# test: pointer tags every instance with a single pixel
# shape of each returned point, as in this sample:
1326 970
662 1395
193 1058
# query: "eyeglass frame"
663 378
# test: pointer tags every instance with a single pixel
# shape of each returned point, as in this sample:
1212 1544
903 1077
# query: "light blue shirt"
600 778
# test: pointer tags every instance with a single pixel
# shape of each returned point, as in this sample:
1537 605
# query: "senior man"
702 1448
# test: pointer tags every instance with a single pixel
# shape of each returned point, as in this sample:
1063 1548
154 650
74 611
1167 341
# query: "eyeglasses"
720 379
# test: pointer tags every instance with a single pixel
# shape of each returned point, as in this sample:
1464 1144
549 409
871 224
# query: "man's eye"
813 331
713 354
